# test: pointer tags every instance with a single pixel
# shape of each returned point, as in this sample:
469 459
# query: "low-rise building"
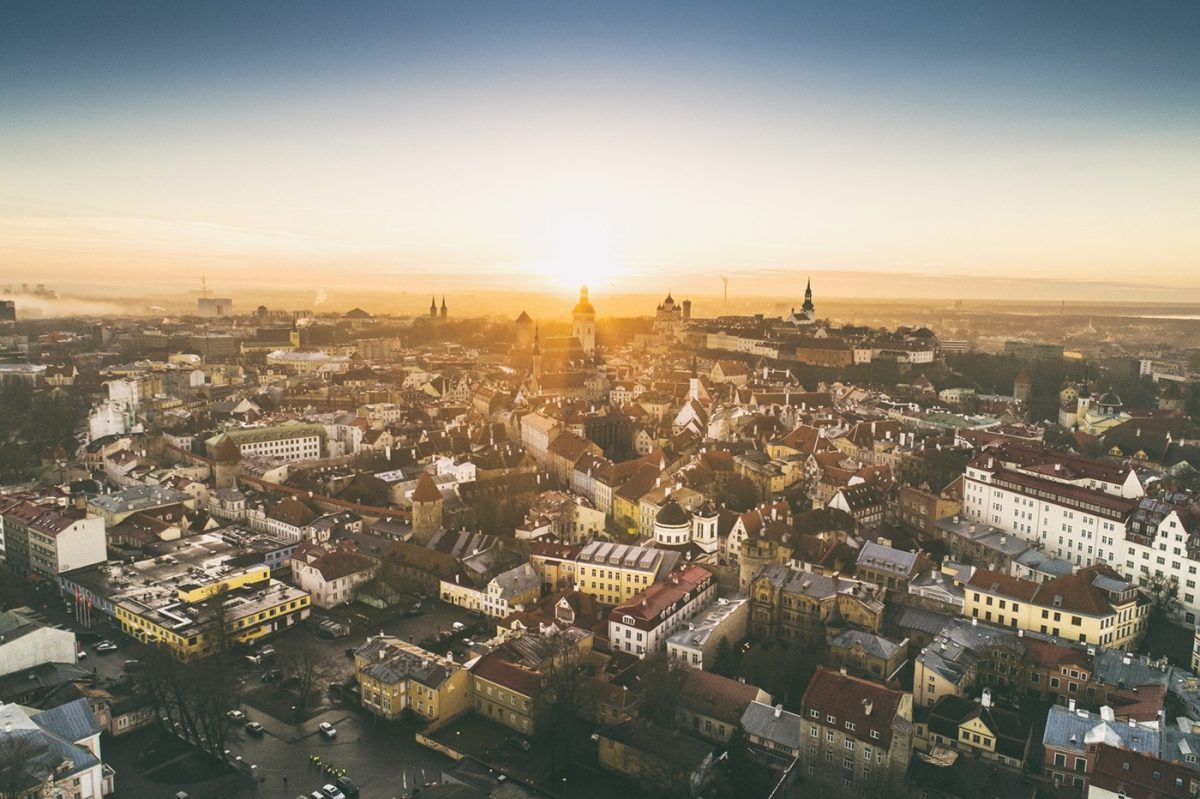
395 676
696 645
1072 735
53 753
331 573
665 761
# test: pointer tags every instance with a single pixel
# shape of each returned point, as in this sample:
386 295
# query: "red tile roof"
870 707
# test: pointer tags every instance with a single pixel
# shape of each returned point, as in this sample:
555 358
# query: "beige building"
395 676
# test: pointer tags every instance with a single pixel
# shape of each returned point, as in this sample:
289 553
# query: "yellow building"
513 683
201 617
395 676
613 573
661 759
1095 605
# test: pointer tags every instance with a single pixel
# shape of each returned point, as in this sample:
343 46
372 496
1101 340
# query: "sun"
574 250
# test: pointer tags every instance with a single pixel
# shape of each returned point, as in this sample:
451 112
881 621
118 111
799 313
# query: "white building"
1074 507
642 624
696 645
60 751
24 643
47 540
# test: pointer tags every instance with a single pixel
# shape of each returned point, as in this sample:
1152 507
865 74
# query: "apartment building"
42 540
295 441
1095 605
642 624
856 736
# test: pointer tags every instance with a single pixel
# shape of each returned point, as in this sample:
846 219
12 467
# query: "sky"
640 145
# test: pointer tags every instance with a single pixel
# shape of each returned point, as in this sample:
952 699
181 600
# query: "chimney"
867 706
778 711
1071 705
842 670
986 698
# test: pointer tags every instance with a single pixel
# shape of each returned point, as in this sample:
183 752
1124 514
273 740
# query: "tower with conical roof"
426 509
524 338
583 323
433 307
443 307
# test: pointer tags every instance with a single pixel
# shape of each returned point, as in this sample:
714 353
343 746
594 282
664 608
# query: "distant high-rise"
583 324
8 311
213 307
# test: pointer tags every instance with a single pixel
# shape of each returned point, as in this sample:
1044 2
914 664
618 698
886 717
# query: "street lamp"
293 715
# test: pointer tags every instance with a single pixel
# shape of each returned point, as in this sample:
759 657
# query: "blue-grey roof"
73 720
877 556
872 644
1114 667
772 724
1075 730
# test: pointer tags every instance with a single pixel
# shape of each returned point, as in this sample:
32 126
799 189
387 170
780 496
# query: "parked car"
104 647
254 728
266 652
458 626
327 729
518 742
331 791
271 675
253 660
347 785
235 715
132 664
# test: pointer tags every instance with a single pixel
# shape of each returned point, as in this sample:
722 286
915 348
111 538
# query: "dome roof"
1108 398
671 515
584 306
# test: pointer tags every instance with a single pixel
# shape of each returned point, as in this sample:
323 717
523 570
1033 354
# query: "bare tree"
18 750
301 663
566 671
191 700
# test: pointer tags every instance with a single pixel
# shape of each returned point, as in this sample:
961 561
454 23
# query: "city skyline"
532 147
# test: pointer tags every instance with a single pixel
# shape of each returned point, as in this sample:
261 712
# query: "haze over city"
526 146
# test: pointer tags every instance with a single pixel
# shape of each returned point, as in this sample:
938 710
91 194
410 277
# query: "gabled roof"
869 706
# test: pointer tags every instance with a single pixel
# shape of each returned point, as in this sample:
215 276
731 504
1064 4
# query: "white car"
333 792
327 729
235 715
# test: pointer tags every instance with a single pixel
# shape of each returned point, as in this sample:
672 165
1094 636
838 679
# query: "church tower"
807 308
583 324
443 307
433 307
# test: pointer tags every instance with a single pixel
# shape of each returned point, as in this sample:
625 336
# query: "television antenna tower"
725 280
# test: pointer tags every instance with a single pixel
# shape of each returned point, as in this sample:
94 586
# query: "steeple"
432 307
807 308
443 306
